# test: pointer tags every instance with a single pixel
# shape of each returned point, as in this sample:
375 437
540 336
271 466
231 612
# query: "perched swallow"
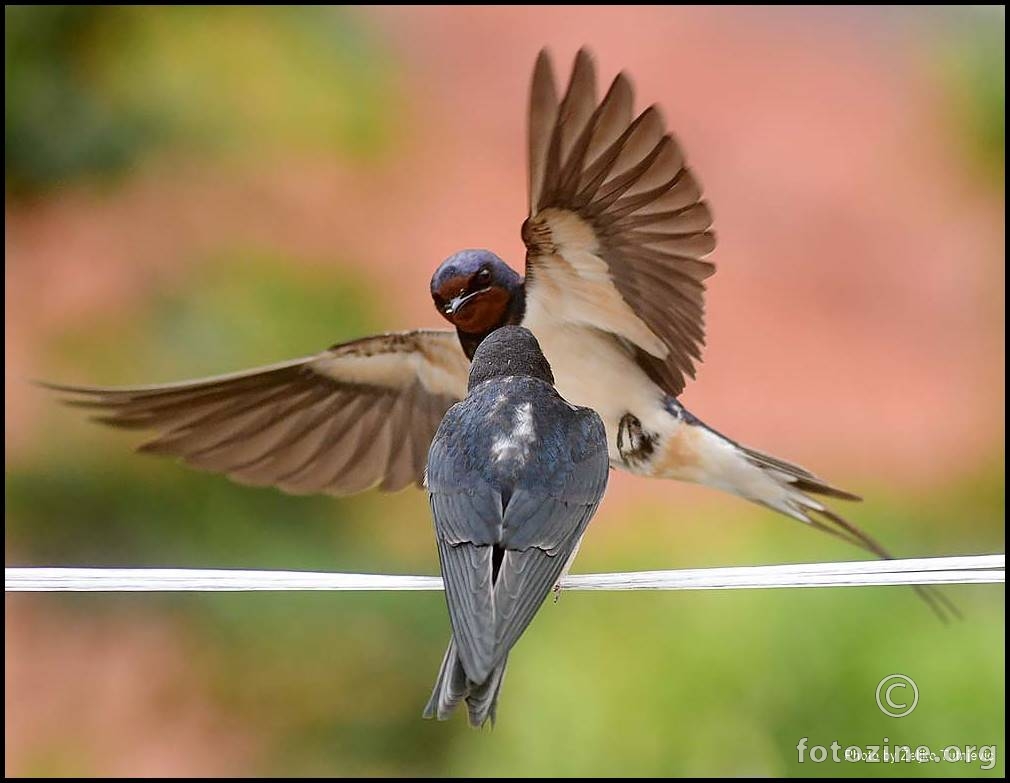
616 245
514 475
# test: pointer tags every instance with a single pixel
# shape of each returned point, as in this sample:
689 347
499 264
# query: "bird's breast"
592 370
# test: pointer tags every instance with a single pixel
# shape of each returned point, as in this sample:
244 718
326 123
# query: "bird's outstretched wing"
359 415
617 232
500 560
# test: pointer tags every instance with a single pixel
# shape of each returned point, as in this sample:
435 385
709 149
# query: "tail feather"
452 686
797 503
941 605
800 478
482 701
783 487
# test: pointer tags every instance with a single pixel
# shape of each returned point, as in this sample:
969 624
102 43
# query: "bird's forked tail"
453 686
696 452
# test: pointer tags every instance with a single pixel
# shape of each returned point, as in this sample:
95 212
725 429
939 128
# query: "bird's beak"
458 301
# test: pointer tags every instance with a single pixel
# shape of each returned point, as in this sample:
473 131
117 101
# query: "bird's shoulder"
497 401
587 432
513 424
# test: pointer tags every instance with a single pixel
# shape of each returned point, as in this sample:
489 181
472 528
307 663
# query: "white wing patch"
516 445
576 284
435 358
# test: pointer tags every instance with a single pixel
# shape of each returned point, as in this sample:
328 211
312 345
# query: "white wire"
975 569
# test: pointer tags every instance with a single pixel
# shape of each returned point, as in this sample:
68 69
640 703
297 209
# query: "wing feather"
543 117
357 415
467 522
617 232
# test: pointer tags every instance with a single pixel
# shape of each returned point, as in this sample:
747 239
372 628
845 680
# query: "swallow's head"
510 350
474 290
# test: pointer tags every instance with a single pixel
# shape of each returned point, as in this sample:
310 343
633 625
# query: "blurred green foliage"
973 62
635 684
57 126
91 89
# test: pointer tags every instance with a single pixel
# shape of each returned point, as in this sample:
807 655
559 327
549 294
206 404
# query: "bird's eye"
484 276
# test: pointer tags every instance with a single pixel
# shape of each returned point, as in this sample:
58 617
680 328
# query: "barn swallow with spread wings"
514 475
616 245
